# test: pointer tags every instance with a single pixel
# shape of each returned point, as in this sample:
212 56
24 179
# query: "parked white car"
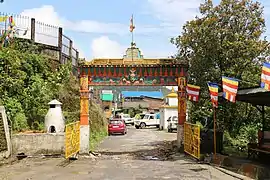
172 123
127 119
148 120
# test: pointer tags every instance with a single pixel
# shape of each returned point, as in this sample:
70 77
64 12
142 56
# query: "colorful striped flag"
230 87
193 92
213 89
265 77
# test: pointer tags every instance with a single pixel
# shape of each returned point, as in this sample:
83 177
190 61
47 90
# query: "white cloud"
174 13
45 14
103 47
48 15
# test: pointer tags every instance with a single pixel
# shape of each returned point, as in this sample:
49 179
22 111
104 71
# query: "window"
115 122
126 116
151 117
146 117
175 118
52 129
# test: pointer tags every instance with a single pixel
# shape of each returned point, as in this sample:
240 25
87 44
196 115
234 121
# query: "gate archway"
131 72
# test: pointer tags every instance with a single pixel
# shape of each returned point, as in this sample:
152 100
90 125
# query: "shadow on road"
156 151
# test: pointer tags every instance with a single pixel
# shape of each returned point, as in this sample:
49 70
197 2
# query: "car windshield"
115 122
146 117
126 116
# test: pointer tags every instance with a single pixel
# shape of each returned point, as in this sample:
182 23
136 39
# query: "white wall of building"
173 101
165 113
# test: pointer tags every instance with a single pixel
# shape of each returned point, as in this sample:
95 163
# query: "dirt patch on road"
159 151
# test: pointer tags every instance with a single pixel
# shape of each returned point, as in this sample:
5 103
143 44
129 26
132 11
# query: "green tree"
28 82
225 40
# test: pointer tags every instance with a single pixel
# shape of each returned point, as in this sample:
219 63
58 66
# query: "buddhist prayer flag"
213 89
3 18
11 21
230 87
193 92
265 77
131 27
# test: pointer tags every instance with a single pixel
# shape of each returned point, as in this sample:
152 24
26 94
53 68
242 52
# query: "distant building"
143 100
169 108
107 99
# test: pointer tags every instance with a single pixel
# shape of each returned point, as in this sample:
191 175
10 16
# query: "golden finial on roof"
173 94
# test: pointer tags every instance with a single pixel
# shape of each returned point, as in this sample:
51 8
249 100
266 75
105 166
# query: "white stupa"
54 119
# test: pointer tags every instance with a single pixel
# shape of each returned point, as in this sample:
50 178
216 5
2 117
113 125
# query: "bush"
98 125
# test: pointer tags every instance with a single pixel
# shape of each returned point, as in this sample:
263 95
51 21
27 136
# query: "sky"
100 28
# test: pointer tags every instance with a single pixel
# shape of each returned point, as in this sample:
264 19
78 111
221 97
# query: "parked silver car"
172 123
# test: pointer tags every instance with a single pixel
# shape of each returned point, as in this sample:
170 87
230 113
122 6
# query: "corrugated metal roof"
153 94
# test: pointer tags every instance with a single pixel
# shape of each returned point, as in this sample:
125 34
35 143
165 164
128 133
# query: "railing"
72 142
39 32
192 140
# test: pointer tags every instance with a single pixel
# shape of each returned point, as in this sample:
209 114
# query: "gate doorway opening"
133 70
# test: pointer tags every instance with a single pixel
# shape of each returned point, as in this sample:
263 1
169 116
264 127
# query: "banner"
193 92
265 77
213 89
230 87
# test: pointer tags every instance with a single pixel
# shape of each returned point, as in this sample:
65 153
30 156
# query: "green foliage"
98 125
28 82
225 41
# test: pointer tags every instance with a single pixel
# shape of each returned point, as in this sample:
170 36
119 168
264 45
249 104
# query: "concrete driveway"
141 154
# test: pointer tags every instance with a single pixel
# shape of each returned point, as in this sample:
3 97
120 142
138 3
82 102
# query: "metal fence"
192 139
39 32
72 143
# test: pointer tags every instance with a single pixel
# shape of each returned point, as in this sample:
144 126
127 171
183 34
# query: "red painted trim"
145 72
104 72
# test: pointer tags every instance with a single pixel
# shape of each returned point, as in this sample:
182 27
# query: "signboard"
106 92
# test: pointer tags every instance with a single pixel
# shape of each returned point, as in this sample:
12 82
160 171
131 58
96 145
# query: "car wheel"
169 130
157 126
132 124
137 127
142 125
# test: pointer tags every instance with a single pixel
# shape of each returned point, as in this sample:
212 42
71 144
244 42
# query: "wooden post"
215 137
181 81
33 29
60 41
84 115
70 50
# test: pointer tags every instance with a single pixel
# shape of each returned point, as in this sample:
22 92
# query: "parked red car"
117 126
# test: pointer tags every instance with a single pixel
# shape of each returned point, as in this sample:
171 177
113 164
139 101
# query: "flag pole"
132 37
215 141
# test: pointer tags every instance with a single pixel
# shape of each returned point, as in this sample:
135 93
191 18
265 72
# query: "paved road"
141 154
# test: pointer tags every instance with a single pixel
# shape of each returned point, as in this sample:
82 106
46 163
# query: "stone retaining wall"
38 143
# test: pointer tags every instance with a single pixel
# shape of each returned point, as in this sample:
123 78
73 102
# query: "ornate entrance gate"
132 70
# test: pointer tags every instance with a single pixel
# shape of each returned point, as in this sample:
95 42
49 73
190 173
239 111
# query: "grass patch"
98 125
97 136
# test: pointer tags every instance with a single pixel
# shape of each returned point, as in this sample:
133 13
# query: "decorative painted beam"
143 75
